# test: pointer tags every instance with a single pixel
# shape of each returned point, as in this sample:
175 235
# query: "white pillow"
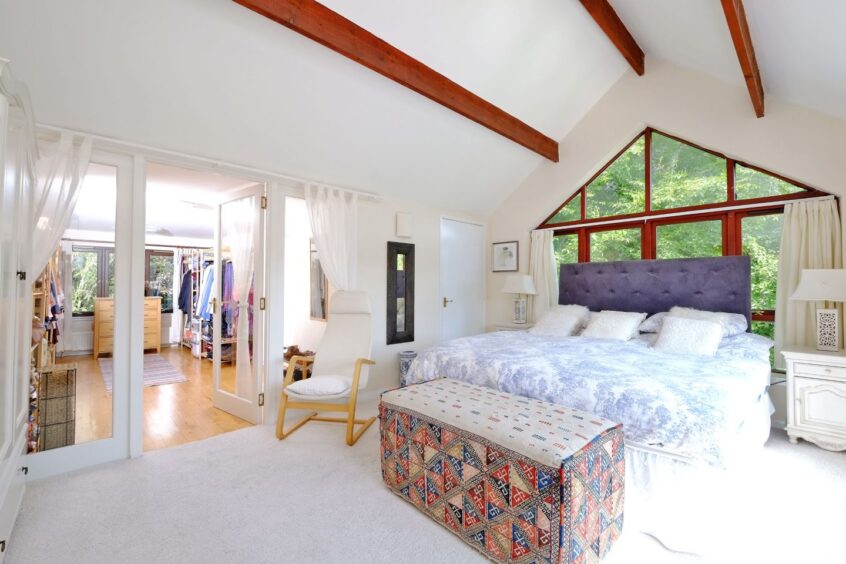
321 386
682 335
731 323
617 325
561 321
653 323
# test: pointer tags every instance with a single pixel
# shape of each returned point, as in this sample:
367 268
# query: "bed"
687 420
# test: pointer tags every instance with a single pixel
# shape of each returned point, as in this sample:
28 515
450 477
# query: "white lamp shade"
519 284
819 285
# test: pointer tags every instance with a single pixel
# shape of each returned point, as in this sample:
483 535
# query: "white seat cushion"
318 386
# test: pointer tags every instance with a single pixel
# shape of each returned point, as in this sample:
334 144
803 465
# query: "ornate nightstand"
816 397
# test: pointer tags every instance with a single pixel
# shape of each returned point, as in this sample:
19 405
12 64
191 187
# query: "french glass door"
238 320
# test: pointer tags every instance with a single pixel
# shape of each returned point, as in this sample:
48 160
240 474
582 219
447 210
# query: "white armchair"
339 369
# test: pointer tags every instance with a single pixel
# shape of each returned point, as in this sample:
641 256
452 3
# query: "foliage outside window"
729 208
689 239
93 276
619 189
685 176
159 278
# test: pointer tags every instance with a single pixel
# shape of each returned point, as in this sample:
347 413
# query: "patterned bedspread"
687 406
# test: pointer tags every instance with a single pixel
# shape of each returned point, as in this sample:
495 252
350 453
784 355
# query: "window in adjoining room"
159 277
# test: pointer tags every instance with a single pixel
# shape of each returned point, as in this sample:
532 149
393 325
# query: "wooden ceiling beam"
605 16
330 29
740 36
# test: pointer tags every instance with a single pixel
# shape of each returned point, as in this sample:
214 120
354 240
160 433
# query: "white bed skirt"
687 505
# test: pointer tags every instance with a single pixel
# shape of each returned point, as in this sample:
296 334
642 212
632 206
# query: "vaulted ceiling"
212 78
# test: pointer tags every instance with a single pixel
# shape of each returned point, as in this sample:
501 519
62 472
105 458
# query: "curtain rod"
681 214
215 164
150 246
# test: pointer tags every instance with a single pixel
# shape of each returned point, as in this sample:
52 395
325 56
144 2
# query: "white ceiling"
212 78
180 202
800 46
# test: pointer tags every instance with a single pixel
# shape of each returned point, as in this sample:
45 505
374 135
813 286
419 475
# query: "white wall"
376 228
300 328
796 142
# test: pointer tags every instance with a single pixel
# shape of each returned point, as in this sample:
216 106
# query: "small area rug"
157 371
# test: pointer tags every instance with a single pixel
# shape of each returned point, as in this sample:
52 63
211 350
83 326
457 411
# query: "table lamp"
520 284
824 285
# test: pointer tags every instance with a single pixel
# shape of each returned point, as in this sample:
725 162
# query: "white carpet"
245 497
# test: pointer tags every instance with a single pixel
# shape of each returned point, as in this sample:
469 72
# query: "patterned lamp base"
828 330
520 310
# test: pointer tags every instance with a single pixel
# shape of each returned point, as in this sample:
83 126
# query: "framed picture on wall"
505 256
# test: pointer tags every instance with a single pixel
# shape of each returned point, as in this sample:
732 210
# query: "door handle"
446 301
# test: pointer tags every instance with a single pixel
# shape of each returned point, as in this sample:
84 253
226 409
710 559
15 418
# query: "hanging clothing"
185 292
205 309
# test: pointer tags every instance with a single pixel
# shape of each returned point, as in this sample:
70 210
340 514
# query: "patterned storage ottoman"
518 479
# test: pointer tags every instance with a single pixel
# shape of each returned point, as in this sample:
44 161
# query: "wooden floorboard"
174 414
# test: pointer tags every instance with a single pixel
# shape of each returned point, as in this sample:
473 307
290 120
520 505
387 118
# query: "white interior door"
462 279
238 319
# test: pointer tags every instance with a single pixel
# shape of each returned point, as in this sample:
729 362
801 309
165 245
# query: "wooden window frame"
649 220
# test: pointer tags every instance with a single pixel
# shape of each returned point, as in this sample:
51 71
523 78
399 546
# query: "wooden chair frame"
317 406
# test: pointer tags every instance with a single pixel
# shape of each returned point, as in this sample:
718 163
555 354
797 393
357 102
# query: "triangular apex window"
680 176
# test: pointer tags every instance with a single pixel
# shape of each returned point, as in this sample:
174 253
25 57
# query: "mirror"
319 286
400 315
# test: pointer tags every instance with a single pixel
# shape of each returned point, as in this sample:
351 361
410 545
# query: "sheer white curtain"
542 268
333 214
811 238
238 225
59 175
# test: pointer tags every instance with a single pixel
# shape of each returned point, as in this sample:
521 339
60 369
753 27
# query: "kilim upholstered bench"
518 479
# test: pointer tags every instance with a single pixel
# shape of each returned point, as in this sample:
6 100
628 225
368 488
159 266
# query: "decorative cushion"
561 321
321 386
618 325
732 323
653 323
682 335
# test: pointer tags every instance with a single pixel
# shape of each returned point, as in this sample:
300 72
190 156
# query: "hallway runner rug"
157 371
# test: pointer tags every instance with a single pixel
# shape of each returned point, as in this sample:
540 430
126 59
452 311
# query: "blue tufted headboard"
652 286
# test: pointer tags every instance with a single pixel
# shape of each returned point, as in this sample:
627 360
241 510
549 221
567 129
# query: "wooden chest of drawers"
104 325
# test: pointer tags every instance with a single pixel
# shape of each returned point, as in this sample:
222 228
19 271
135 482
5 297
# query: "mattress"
691 408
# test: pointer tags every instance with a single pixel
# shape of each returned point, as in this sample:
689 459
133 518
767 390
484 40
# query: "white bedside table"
816 397
511 326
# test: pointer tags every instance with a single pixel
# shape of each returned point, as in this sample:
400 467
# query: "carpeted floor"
157 371
245 497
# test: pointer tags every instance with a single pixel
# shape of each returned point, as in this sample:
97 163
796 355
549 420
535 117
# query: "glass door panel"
237 326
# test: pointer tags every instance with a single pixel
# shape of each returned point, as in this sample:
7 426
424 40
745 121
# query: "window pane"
572 211
160 281
685 176
761 240
688 240
621 244
110 281
566 250
84 268
750 183
767 329
620 188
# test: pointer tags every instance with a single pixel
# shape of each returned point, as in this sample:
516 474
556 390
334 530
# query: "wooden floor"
173 413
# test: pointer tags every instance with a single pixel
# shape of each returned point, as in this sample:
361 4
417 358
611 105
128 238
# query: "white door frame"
129 322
